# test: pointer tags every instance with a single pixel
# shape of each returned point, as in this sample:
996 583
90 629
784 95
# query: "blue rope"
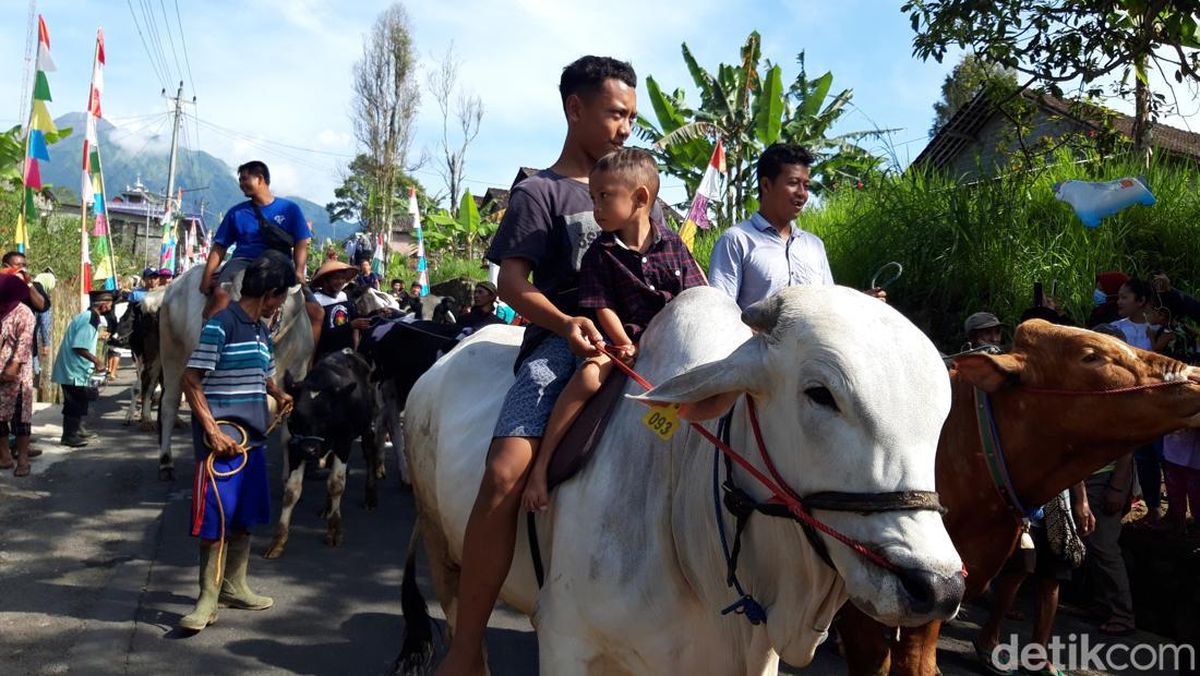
746 604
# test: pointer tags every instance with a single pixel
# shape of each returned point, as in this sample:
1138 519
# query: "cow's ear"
707 391
289 383
989 372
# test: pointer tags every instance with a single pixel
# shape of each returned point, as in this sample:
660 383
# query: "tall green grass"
967 248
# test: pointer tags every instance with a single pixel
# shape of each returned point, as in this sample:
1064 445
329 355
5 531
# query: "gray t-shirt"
549 223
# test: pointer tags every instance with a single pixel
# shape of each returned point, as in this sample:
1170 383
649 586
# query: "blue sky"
272 77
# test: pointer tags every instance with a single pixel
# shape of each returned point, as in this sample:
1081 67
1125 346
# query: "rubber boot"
70 435
235 592
205 612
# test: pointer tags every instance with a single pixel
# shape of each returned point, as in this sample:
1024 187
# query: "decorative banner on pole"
415 210
102 273
40 124
166 257
709 189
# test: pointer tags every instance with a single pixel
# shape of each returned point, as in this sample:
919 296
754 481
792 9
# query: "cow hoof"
166 473
371 503
179 423
275 551
333 539
381 473
147 426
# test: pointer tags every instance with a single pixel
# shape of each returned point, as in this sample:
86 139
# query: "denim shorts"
540 379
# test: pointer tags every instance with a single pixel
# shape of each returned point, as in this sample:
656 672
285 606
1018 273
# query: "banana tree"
468 230
747 108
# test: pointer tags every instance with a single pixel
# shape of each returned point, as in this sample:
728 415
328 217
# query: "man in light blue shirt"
766 253
75 363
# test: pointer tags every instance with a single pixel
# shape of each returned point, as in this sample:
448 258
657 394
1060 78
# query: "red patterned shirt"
635 285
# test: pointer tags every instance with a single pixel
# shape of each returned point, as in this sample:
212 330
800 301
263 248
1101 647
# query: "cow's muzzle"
931 594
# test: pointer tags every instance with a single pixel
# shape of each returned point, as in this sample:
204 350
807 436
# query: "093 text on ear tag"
663 420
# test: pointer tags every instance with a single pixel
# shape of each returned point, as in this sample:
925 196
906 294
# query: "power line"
151 23
170 38
161 80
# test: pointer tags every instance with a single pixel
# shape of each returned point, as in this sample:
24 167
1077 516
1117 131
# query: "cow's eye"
1092 358
822 397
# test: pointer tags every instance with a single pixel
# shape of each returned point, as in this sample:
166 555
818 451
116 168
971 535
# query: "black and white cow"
334 405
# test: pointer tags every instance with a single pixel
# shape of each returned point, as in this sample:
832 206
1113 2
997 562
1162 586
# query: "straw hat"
330 267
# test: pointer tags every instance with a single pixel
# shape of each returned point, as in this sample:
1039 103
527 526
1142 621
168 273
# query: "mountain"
207 181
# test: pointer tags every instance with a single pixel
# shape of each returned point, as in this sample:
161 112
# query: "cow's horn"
763 315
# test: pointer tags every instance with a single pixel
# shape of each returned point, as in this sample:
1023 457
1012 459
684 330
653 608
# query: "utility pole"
177 105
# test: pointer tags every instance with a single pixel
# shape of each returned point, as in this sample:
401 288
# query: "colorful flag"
415 210
98 269
377 257
40 124
709 189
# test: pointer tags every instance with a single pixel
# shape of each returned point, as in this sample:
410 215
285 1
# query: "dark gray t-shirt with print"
549 223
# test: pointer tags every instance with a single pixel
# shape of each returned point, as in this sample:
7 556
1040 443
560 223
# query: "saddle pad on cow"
577 445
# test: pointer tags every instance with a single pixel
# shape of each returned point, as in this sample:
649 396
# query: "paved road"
96 567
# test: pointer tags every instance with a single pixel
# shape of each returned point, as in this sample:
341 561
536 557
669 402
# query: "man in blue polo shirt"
227 381
245 228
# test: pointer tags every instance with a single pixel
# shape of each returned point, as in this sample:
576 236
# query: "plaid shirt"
634 285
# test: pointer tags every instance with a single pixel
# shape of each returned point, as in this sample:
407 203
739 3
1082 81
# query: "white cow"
851 397
180 321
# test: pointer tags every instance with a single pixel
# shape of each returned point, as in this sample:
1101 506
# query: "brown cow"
1058 421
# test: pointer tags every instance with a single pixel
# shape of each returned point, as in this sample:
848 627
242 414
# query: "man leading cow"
545 231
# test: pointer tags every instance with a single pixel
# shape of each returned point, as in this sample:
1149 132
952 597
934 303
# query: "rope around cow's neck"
779 493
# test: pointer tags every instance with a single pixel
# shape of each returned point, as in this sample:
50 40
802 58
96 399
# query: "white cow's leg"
293 485
337 486
167 411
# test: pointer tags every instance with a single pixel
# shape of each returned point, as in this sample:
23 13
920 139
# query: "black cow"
402 351
334 405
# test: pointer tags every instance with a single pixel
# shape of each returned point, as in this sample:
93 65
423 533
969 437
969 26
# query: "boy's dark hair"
771 162
11 255
397 281
586 75
636 166
271 273
256 168
1140 288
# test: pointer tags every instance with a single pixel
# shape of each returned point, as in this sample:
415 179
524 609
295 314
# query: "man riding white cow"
848 417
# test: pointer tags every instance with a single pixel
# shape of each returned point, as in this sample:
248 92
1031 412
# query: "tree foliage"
461 234
385 104
1055 42
747 106
969 76
359 198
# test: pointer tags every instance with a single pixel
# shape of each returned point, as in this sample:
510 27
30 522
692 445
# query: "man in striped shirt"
227 381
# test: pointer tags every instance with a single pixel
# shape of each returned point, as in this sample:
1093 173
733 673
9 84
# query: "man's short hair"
633 165
11 255
394 282
271 273
256 168
585 76
773 159
1140 288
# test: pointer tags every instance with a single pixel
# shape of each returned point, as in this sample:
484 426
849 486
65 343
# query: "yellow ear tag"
662 420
